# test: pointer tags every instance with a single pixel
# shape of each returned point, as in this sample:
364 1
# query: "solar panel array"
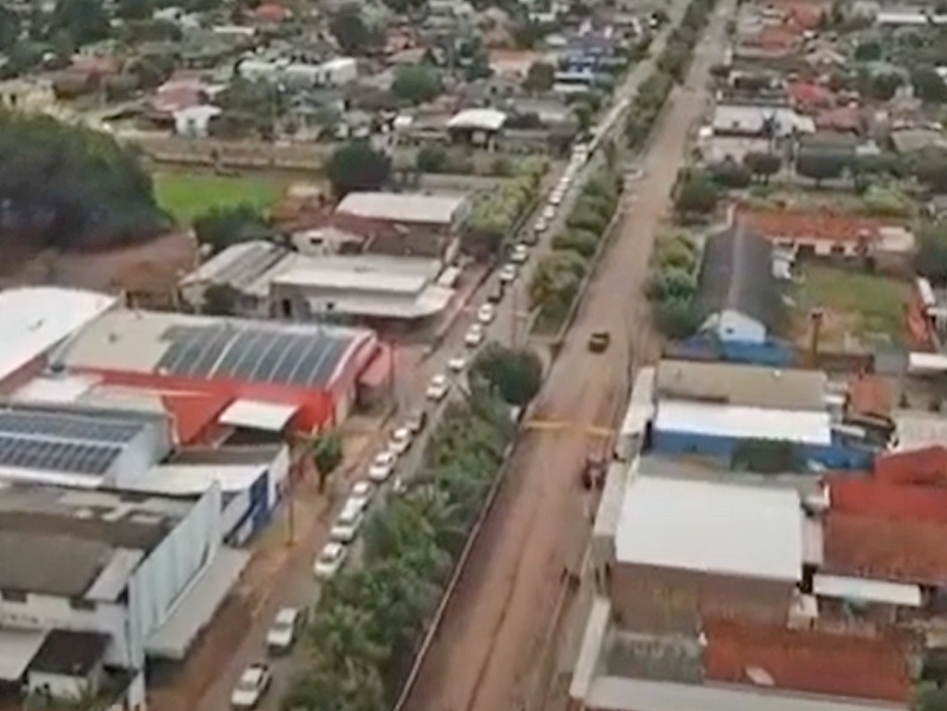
252 353
72 442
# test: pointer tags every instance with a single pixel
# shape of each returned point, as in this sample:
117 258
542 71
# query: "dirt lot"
488 649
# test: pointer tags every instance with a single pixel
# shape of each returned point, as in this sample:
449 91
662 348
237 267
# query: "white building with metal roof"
404 207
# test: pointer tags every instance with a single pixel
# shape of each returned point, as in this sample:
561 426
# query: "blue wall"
775 354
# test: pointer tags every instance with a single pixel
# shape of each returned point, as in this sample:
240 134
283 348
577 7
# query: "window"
79 603
13 595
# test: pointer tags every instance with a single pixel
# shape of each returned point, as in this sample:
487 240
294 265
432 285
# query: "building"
272 281
753 120
738 297
96 582
35 321
316 373
335 72
478 127
823 234
404 224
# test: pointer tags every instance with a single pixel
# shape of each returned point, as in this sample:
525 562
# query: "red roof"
896 551
890 502
790 224
193 414
841 118
270 12
809 95
869 395
783 37
926 466
806 661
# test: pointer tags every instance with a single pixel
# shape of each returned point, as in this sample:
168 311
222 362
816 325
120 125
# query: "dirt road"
487 652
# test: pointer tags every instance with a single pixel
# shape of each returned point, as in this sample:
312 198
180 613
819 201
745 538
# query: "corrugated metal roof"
17 649
402 207
711 527
252 414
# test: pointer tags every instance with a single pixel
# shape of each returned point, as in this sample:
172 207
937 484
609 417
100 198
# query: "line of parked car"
256 678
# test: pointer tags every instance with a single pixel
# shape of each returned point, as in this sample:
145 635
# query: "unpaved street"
487 651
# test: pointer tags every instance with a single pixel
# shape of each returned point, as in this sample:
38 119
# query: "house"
334 72
750 120
194 121
34 96
825 234
907 141
477 127
737 296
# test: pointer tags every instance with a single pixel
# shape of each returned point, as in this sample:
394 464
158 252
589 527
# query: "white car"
362 492
252 685
519 254
282 632
348 522
474 336
507 273
486 313
555 198
549 212
438 387
382 465
400 441
457 363
541 224
329 561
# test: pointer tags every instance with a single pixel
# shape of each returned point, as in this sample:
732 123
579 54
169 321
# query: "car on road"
457 363
282 632
474 336
495 295
599 340
519 254
253 683
541 224
400 441
556 197
362 492
531 237
381 466
347 523
549 212
486 313
416 421
330 559
438 387
507 273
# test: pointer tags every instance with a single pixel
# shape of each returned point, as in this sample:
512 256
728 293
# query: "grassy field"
868 307
187 194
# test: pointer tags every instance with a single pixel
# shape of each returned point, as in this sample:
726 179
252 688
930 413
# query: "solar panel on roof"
328 363
211 345
59 456
67 426
268 361
289 359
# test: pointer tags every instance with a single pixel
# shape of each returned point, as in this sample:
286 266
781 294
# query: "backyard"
186 194
860 309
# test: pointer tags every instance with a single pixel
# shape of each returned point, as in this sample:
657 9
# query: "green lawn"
862 304
186 195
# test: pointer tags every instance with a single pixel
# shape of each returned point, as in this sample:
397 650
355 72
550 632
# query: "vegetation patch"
855 304
184 195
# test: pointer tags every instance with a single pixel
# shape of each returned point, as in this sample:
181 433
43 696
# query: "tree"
884 85
85 20
820 165
580 241
676 318
671 283
516 374
928 85
417 84
584 114
869 51
931 170
134 9
326 456
930 261
9 28
540 77
404 7
730 174
221 227
697 195
357 166
556 280
587 217
762 165
432 159
350 30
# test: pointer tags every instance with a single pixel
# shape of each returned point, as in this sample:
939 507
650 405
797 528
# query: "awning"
17 649
197 605
255 415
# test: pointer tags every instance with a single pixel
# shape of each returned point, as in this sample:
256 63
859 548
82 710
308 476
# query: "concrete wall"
63 686
654 599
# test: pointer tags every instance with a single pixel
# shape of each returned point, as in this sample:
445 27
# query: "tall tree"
350 30
357 166
85 20
417 85
516 374
326 456
540 77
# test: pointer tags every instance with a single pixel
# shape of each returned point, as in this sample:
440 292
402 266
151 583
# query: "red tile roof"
809 95
805 661
927 466
896 551
869 395
890 502
790 224
783 37
842 118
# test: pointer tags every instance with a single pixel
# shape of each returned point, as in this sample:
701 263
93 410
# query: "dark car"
495 295
531 238
599 340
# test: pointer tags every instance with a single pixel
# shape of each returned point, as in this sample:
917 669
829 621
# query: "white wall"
158 582
62 686
47 611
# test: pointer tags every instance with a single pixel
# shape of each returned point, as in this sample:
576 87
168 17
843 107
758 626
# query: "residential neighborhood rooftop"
402 207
